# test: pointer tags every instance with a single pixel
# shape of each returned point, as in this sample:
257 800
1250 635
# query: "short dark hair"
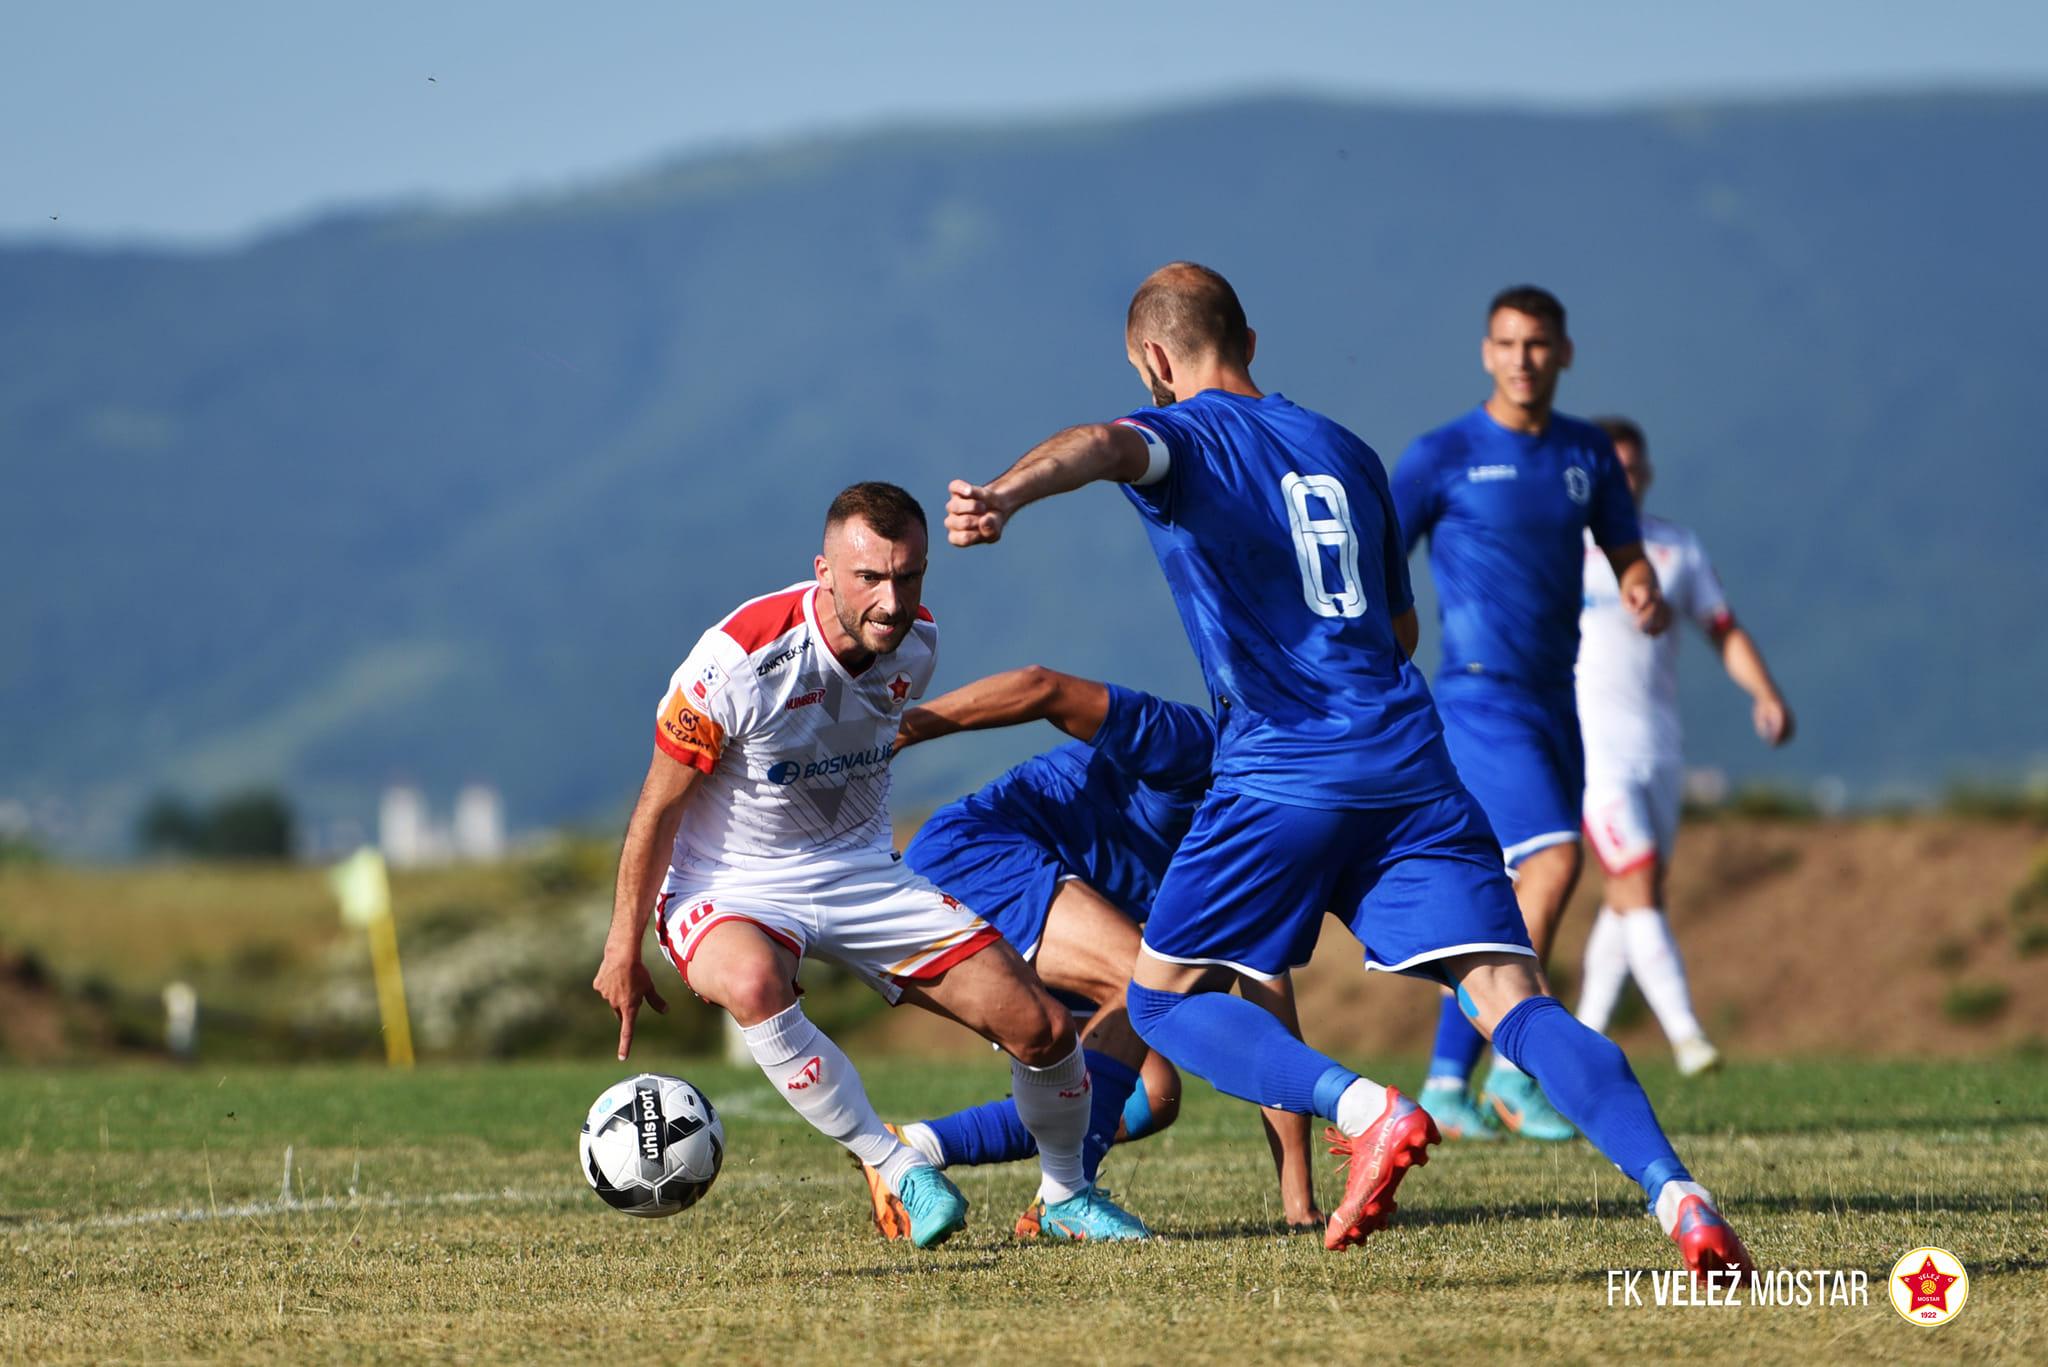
1620 429
1193 309
1533 300
888 508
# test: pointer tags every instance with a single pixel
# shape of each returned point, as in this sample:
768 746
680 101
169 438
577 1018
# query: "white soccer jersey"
1627 681
794 749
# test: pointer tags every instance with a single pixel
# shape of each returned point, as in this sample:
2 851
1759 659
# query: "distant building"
410 837
479 824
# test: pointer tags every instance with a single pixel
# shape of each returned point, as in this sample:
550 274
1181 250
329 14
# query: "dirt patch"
1867 937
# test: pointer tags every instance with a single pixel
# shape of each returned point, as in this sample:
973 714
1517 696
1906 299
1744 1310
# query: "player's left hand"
1773 720
1647 605
972 515
624 984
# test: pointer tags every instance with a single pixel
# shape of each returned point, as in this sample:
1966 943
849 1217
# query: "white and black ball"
652 1145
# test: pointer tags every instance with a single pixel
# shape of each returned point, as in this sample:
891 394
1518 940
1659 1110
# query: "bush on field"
256 824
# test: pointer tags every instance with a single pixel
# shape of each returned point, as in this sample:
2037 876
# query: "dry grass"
139 1220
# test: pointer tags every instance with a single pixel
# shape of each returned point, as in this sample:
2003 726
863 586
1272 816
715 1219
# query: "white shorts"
874 916
1631 810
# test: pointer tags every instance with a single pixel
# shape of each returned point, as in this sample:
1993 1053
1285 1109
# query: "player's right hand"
624 984
972 517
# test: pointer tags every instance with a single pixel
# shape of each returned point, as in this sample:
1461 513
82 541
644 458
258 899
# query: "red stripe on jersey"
761 621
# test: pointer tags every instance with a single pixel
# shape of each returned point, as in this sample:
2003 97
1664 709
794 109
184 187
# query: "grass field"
440 1215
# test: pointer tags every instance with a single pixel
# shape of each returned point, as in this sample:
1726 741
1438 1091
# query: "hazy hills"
446 495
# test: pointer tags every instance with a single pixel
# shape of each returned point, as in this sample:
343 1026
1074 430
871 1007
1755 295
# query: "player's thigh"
737 964
1622 827
994 993
1544 880
1246 892
1088 945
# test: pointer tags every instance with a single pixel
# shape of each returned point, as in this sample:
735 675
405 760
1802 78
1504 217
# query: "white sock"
1670 1195
816 1078
919 1136
1363 1102
1605 971
1653 957
1053 1104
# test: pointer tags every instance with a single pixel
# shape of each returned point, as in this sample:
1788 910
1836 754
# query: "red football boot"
1378 1159
1704 1237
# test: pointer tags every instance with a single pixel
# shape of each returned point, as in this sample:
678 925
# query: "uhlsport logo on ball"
1929 1286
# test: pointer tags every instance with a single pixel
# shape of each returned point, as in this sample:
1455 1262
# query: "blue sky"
205 121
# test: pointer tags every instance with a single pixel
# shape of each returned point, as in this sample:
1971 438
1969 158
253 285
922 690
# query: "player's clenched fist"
1647 605
972 517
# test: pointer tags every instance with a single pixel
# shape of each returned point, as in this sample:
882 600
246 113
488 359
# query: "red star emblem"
899 687
1928 1286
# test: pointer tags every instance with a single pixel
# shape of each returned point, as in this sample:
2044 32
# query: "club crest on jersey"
1578 484
709 681
899 687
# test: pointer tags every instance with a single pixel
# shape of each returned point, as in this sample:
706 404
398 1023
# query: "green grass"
440 1214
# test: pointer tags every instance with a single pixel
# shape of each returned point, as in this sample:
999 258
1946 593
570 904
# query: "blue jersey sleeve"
1612 516
1418 502
1165 744
1184 451
1400 593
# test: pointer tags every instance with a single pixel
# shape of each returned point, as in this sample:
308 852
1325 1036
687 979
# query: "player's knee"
1162 1089
1040 1034
750 994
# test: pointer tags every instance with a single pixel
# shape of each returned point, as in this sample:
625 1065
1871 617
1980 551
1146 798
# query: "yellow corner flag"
364 890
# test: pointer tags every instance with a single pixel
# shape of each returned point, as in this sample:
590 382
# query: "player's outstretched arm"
622 978
1641 594
1077 706
977 513
1745 664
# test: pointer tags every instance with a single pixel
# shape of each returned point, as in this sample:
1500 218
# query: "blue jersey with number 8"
1278 537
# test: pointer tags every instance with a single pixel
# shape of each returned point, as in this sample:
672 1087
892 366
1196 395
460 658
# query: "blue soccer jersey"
1110 812
1277 534
1506 515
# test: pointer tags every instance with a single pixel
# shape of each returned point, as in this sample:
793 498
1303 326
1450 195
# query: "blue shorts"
1004 877
1519 753
1416 884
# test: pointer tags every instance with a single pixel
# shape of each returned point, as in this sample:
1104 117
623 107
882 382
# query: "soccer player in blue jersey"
1332 787
1063 855
1506 495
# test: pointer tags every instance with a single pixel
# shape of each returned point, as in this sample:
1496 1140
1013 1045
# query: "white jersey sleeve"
703 709
1705 602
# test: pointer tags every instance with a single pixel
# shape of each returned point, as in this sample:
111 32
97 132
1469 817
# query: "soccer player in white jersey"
1628 713
762 834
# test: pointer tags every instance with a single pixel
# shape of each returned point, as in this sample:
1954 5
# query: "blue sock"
1239 1048
988 1133
992 1132
1458 1044
1138 1113
1111 1084
1587 1077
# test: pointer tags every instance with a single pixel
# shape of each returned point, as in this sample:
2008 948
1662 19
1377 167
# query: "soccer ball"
652 1145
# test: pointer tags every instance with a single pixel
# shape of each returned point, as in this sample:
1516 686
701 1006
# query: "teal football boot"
936 1208
1522 1107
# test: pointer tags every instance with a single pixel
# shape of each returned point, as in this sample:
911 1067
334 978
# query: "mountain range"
443 494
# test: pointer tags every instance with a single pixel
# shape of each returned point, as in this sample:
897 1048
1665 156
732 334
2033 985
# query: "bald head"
1192 312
